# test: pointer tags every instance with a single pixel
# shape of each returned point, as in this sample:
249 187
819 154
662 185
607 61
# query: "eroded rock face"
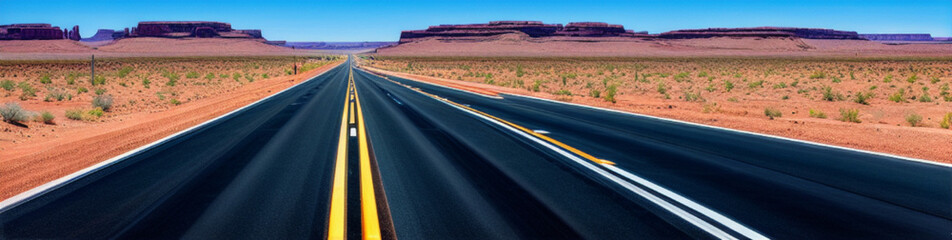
537 29
74 34
810 33
30 31
198 29
899 37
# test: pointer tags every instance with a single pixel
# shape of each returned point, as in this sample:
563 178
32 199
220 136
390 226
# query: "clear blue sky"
383 20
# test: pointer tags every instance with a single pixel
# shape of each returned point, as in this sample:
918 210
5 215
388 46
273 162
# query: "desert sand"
521 45
142 47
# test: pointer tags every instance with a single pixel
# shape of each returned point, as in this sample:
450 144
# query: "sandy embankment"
31 164
918 142
142 47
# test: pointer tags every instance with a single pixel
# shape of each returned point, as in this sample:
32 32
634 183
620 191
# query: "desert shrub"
610 93
830 95
71 78
898 96
103 102
756 84
837 79
888 78
13 113
236 76
818 75
209 76
74 114
81 90
519 71
710 108
693 97
563 92
45 79
7 85
96 112
946 120
862 98
662 89
780 85
683 76
191 75
913 119
172 78
264 76
57 95
772 113
98 80
146 82
46 117
710 87
595 93
27 91
934 80
536 85
100 91
850 115
912 79
124 71
250 77
817 114
925 95
175 102
728 85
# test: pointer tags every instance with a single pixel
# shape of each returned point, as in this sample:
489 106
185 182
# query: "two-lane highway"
350 154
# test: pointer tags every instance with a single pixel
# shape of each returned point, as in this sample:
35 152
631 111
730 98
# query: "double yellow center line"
337 222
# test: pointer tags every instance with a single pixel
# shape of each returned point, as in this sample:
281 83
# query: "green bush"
7 85
99 80
595 93
96 112
817 75
662 89
124 71
191 75
728 85
756 84
772 113
946 121
898 96
610 93
175 102
863 98
27 91
693 97
81 90
74 114
888 78
57 95
850 115
817 114
71 78
100 91
913 119
912 79
13 113
237 77
209 76
47 117
103 102
831 96
563 92
46 79
146 82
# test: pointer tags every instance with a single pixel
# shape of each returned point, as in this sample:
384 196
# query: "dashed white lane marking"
353 132
540 131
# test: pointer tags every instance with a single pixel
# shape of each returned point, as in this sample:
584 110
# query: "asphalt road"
449 164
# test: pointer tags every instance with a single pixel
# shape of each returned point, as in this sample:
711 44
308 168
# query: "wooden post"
295 69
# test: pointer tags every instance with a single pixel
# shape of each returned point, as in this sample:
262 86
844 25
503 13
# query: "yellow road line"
521 128
368 201
351 112
337 222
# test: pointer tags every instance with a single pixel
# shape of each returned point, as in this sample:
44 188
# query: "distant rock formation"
898 37
338 45
809 33
31 31
536 29
198 29
74 34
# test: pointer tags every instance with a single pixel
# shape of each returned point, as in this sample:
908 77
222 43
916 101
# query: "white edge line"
733 225
744 132
703 225
23 197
